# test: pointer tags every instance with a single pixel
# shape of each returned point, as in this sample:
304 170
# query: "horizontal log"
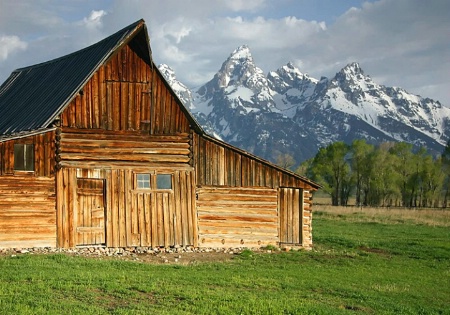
6 214
137 135
126 143
15 222
270 232
237 224
124 151
237 203
217 242
237 210
125 158
141 166
237 197
235 190
29 243
244 237
241 218
24 205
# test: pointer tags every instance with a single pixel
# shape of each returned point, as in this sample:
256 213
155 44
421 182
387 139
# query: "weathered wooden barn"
96 149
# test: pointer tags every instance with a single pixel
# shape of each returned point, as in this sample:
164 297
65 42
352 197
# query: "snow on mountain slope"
353 93
287 111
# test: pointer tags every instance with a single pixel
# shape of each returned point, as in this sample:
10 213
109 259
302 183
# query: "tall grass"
427 216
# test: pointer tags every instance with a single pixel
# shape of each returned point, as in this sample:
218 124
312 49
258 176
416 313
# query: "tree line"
389 174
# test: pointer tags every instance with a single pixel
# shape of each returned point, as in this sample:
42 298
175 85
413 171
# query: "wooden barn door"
290 209
90 216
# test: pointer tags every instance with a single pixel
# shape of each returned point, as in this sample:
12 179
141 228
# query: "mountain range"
288 112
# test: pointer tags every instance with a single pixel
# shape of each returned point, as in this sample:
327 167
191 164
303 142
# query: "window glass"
23 157
143 181
164 181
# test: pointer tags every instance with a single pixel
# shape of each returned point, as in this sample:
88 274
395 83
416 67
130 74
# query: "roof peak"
126 30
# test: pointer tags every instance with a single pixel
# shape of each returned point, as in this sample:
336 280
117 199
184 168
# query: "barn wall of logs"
27 211
27 198
237 217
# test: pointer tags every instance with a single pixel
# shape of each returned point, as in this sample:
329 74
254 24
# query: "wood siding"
81 148
126 94
237 217
294 208
44 154
219 164
27 211
133 217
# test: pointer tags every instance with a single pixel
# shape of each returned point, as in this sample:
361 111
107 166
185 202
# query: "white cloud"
9 45
397 42
94 20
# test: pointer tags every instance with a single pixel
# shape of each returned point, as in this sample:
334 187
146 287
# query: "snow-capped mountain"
287 111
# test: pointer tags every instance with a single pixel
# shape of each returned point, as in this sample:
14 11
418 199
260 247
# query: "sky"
404 43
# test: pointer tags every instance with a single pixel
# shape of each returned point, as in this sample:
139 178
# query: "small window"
143 181
164 181
23 157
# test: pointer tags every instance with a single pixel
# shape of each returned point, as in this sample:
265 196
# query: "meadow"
365 261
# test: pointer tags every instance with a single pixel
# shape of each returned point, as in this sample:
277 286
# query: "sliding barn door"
90 216
290 209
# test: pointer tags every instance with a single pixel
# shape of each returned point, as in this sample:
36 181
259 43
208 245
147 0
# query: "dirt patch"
180 256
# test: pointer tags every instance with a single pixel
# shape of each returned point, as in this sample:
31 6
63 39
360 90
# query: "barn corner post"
307 220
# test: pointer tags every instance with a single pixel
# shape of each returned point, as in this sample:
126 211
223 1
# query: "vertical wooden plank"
154 220
123 106
185 209
289 206
109 106
145 233
166 218
157 106
88 105
178 205
108 220
96 113
130 124
160 220
114 210
122 207
116 106
60 209
103 123
296 217
131 222
193 210
73 207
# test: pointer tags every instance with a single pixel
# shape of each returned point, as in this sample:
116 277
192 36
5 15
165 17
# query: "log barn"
97 150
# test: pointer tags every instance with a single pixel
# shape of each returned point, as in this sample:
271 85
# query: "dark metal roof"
32 97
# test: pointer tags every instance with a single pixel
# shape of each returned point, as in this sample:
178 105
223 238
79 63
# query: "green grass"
361 267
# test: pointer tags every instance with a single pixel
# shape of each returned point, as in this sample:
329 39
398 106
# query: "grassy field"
364 262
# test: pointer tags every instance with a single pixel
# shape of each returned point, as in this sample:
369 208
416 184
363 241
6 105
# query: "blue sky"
402 43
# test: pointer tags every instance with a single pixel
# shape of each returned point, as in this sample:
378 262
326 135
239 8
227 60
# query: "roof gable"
32 97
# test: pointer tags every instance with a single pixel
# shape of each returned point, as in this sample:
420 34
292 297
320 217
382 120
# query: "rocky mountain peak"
289 112
242 53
